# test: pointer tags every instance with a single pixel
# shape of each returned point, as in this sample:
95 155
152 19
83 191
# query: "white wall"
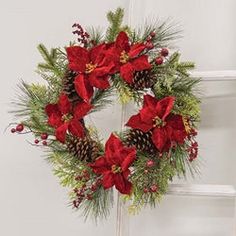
31 200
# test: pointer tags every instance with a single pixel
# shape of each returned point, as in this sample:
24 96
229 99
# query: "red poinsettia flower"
92 66
63 117
127 57
156 116
114 165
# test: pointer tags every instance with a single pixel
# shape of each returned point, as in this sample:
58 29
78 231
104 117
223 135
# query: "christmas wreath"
159 142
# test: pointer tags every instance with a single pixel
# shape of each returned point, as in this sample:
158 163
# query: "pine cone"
69 87
85 149
143 79
142 141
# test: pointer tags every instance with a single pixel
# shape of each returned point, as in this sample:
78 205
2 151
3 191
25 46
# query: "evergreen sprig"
115 19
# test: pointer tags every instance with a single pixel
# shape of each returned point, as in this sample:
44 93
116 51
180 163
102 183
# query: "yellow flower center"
124 57
116 169
186 125
158 122
66 117
90 67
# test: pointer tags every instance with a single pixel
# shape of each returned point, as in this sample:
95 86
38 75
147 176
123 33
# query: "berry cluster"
44 137
82 35
19 128
164 52
87 189
193 147
149 165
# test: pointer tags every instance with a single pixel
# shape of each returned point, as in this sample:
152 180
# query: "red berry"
164 52
13 130
159 60
19 127
154 188
146 190
150 163
98 182
45 143
89 197
94 187
75 204
152 34
36 141
149 45
149 39
78 178
44 136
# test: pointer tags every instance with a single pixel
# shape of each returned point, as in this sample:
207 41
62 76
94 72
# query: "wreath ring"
160 140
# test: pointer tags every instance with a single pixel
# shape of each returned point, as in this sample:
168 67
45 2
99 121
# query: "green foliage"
126 93
52 69
30 105
166 33
95 34
115 19
174 80
159 175
99 207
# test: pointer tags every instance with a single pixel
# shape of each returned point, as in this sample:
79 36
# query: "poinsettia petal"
159 138
99 82
127 72
164 107
122 41
96 53
100 166
147 115
78 57
126 173
112 146
83 87
60 132
129 159
51 108
136 49
76 128
141 63
149 101
54 115
135 122
64 104
54 120
81 109
103 70
108 180
175 123
113 55
122 184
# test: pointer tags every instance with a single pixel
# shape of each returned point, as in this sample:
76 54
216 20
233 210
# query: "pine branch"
166 33
99 207
115 19
54 61
126 93
95 34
